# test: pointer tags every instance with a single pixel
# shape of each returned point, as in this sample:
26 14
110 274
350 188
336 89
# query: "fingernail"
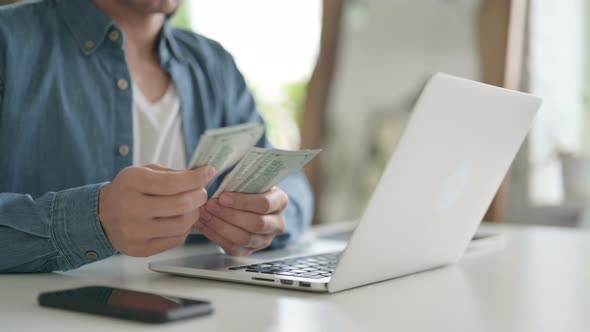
226 200
205 215
213 206
211 171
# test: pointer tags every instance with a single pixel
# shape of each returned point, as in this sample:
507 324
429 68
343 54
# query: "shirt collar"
90 25
168 45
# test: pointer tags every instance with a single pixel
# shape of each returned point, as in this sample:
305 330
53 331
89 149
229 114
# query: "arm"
144 211
289 220
299 211
57 231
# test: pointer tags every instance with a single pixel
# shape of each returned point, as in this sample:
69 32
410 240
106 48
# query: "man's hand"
244 223
147 210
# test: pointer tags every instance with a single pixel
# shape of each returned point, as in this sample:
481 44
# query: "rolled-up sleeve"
57 231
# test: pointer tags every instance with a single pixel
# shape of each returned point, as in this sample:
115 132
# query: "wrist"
76 228
102 209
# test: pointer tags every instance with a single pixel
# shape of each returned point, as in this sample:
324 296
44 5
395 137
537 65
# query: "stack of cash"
223 147
258 169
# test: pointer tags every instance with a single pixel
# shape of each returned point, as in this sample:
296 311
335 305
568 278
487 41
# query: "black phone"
126 304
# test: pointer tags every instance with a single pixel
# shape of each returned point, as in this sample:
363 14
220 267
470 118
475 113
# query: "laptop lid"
452 157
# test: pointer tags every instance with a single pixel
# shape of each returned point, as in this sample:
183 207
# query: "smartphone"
126 304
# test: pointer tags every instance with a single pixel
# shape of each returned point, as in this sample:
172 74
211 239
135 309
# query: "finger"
157 167
234 234
172 226
225 244
266 203
176 205
248 221
155 246
158 245
157 182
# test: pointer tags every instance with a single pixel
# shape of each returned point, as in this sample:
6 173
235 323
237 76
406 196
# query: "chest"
66 112
149 76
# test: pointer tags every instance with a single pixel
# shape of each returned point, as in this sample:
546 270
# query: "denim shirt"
66 124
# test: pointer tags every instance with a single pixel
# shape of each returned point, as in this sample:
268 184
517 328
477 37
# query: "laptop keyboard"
313 267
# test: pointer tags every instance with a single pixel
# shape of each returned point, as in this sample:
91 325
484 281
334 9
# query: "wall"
388 51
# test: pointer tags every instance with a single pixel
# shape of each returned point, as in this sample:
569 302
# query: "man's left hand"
244 223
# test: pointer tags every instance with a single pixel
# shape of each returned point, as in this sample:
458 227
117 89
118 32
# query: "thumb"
157 167
179 180
203 175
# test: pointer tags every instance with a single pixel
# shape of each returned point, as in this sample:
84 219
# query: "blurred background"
343 75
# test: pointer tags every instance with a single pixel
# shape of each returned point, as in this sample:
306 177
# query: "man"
89 88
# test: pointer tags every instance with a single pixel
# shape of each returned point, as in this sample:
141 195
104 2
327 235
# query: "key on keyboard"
314 267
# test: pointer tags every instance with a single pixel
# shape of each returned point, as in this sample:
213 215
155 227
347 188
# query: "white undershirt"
157 130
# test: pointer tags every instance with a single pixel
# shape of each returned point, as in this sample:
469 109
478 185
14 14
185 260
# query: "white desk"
538 280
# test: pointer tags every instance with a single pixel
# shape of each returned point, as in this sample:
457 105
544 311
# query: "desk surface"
535 279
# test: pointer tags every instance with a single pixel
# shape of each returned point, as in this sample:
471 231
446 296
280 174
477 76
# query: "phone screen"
125 303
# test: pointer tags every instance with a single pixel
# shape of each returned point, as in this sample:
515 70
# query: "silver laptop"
455 150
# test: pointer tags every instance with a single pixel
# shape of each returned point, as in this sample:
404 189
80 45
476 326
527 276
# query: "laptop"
447 166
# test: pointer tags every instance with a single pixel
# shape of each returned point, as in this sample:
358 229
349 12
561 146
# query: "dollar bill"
261 169
223 147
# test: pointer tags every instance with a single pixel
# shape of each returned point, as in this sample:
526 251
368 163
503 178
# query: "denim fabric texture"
65 111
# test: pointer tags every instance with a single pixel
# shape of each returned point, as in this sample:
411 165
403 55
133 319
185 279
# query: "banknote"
262 168
223 147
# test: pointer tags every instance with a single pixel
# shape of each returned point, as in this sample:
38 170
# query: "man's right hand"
147 210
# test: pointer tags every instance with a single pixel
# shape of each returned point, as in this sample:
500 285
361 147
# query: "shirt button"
91 254
122 84
114 35
124 150
89 44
